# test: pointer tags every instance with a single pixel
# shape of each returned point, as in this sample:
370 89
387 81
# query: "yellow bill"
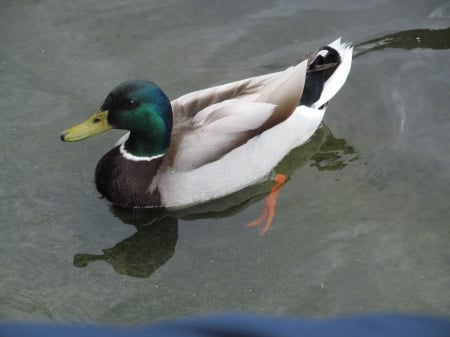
97 123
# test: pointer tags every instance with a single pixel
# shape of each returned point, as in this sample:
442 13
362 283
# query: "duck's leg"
269 210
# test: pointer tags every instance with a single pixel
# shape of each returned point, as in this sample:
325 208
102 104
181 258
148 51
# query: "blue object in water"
381 325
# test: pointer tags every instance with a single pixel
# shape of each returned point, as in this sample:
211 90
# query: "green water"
361 226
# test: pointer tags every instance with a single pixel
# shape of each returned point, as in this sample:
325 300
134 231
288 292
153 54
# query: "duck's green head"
138 106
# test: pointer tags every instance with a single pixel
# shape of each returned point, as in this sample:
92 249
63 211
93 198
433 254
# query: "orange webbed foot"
269 210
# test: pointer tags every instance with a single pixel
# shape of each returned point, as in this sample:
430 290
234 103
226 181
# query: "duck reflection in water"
154 242
143 252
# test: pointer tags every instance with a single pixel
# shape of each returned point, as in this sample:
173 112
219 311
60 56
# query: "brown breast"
125 182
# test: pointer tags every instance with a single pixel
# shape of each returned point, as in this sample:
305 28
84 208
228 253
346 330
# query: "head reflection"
143 252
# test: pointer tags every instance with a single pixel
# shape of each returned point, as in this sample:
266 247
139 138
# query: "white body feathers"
202 165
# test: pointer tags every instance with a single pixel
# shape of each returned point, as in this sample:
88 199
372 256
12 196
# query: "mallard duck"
210 143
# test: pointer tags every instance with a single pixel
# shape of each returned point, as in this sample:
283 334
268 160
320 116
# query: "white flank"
259 156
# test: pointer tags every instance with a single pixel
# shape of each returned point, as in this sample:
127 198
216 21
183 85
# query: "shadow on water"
154 242
408 39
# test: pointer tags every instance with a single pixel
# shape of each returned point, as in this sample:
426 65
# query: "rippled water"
361 226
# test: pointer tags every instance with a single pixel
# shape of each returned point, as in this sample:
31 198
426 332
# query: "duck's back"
231 136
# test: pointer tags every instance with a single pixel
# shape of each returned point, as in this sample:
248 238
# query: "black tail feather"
319 70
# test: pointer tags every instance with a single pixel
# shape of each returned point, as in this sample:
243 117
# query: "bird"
212 142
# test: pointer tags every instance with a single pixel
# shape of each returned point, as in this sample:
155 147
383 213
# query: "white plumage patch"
132 157
258 157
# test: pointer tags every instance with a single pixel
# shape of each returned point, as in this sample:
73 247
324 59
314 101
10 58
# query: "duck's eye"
131 104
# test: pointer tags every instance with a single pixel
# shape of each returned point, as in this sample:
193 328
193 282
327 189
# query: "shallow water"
361 226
